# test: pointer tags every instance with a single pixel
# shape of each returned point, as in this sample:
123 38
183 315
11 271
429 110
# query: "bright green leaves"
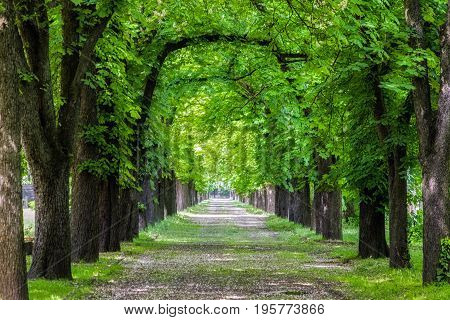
229 112
224 95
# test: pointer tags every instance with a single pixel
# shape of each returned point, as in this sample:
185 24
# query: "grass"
298 253
84 277
363 278
250 209
109 267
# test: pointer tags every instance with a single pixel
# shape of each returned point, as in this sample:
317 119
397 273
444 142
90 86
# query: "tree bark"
300 208
436 208
332 216
183 196
51 251
47 135
264 199
295 202
135 196
398 219
109 212
372 233
159 205
49 165
180 204
317 211
13 282
305 205
129 214
327 206
277 200
398 210
284 202
151 212
170 194
433 128
85 220
145 198
281 202
270 192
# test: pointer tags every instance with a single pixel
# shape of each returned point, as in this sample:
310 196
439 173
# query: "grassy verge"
362 278
84 277
250 209
109 267
293 252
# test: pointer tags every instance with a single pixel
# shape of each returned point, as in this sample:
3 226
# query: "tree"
85 217
398 188
433 127
47 132
13 283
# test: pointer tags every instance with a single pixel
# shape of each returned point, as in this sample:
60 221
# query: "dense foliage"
320 97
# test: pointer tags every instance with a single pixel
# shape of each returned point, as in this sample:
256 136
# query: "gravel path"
231 255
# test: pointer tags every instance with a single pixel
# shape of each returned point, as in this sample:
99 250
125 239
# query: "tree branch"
69 113
38 121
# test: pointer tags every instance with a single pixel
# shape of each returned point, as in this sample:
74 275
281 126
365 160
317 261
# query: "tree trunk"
51 251
434 135
281 202
13 282
48 135
170 194
271 194
372 233
151 212
265 199
109 213
277 209
134 220
435 159
284 203
398 210
190 199
436 208
179 191
305 206
398 220
192 194
317 211
159 205
332 216
144 199
124 208
104 212
129 214
327 206
85 221
295 200
181 196
294 207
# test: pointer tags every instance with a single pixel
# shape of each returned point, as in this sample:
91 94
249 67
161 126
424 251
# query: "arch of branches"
130 111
